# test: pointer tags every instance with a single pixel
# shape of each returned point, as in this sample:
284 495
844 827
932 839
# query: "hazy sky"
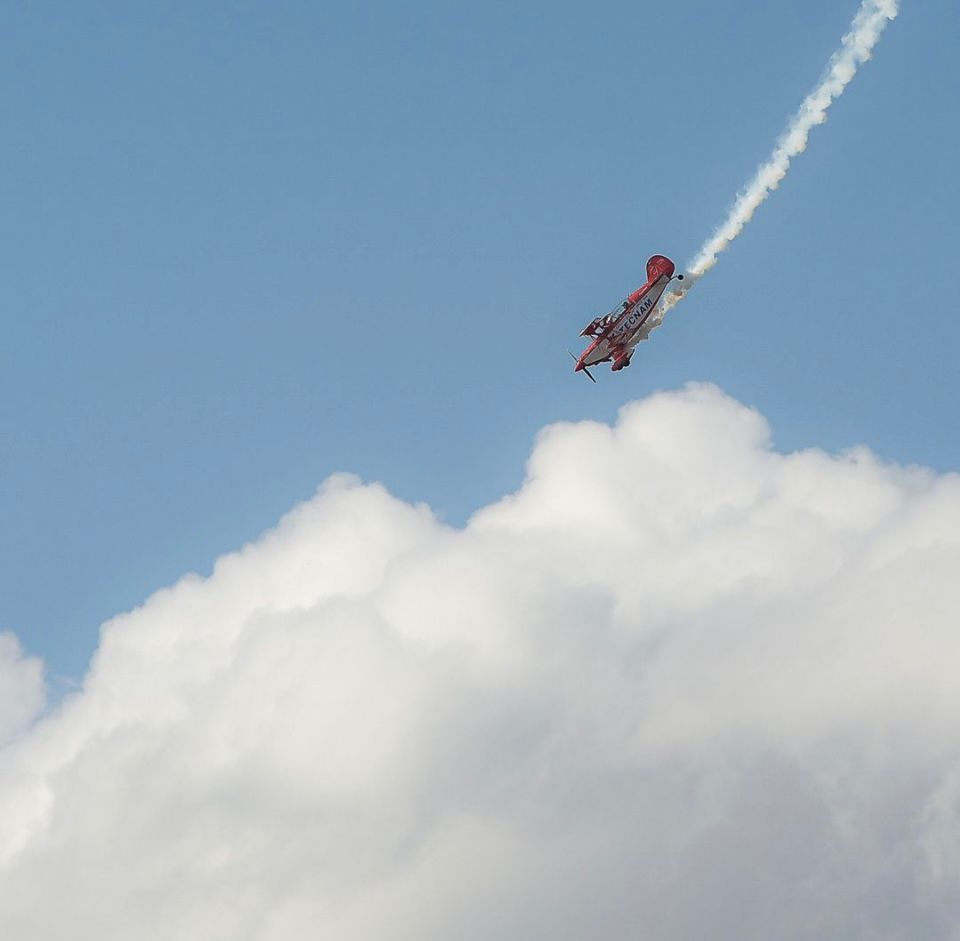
248 245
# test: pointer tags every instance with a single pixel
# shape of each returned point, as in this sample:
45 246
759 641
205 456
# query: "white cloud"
678 686
22 688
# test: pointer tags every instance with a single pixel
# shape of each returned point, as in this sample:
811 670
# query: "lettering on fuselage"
639 313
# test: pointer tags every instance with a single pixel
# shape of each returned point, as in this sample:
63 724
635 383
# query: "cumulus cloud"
22 688
678 686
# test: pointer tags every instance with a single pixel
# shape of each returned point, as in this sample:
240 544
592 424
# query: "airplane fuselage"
616 335
619 340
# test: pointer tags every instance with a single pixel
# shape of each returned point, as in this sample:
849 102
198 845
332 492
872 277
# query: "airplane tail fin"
659 265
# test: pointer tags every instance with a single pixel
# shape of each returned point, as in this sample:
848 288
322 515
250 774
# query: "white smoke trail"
855 49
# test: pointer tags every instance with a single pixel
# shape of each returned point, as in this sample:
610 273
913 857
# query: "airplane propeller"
583 368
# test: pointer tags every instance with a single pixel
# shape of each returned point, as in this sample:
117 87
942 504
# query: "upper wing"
601 325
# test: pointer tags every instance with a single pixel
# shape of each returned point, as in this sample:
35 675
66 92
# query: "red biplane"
616 335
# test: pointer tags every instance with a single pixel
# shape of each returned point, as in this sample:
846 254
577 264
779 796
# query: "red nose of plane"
580 365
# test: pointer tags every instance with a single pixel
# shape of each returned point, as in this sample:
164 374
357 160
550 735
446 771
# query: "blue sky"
249 245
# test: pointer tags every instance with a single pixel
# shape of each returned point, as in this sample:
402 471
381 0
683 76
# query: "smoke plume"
855 48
